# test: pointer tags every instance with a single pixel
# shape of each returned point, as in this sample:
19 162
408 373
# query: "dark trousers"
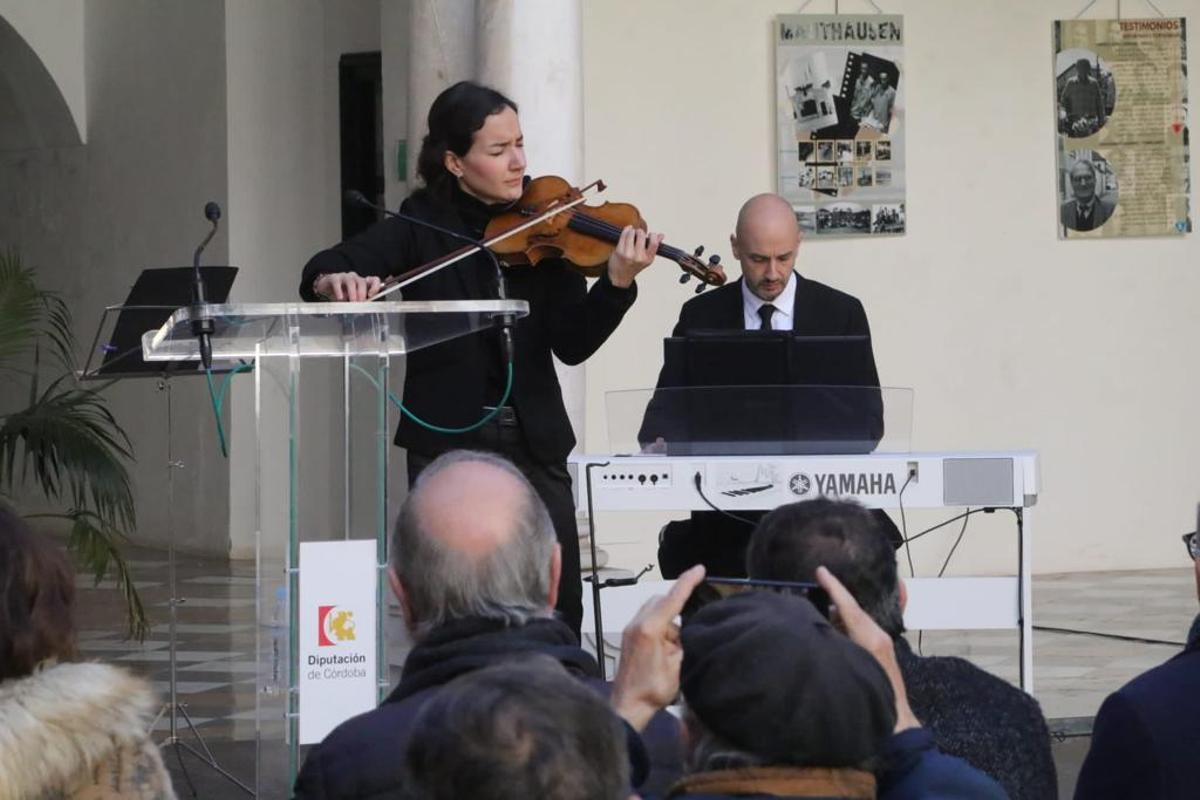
552 482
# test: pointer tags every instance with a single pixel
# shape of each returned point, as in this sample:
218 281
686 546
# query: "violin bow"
437 265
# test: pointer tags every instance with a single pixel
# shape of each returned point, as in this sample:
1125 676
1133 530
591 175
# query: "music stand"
153 297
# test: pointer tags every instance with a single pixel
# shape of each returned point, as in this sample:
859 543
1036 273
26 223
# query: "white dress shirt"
785 305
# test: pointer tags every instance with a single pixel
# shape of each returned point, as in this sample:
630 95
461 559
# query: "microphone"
202 324
353 197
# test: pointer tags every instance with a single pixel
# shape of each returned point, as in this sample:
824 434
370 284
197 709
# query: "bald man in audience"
475 565
770 295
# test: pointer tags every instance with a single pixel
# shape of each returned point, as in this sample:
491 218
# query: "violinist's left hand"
634 252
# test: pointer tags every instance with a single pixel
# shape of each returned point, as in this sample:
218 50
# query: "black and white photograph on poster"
1088 190
840 87
1122 162
1086 92
887 218
808 177
845 217
810 92
873 96
807 217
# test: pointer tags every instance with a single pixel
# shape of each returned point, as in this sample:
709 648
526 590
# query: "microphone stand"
174 708
202 324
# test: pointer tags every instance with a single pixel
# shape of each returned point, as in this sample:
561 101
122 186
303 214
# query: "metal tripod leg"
173 708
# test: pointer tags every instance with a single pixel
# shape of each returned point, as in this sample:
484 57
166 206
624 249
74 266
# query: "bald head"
765 243
470 506
473 540
767 211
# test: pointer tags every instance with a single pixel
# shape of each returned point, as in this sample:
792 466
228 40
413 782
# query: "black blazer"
448 384
818 310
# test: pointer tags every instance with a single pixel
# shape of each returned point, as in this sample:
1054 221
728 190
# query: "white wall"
285 203
1084 351
155 155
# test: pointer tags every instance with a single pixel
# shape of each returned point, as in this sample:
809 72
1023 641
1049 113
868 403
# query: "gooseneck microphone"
202 323
354 197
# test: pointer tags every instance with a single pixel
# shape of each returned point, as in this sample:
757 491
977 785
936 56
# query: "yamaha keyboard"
994 479
916 480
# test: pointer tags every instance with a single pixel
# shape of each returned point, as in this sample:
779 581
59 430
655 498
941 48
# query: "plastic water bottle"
279 615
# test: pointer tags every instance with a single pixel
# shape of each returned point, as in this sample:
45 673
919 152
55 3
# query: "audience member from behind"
67 730
517 731
1146 737
971 714
475 565
778 703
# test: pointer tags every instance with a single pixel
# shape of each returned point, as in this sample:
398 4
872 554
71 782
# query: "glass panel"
759 420
326 329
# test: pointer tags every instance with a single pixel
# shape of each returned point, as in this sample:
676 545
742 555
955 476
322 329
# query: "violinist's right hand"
346 286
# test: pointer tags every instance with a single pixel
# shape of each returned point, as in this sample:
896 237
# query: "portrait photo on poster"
869 88
1086 92
1088 191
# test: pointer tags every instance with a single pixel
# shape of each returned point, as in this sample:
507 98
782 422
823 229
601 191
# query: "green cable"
438 428
218 400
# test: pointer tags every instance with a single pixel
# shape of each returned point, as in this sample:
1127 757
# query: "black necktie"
765 311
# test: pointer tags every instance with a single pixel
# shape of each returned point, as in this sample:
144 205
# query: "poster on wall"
1121 105
839 82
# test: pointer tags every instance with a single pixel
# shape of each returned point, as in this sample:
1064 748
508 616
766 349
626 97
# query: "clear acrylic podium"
320 458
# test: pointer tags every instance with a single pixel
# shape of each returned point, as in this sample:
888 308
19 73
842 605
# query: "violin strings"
586 224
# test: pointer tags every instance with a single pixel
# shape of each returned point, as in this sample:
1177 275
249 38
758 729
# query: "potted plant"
61 439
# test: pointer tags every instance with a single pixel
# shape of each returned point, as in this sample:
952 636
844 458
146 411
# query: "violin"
550 220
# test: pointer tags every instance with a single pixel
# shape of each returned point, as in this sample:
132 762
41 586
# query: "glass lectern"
305 443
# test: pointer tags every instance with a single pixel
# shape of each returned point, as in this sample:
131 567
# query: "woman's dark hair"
37 598
453 119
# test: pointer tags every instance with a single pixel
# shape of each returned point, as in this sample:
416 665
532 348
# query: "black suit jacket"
818 310
448 384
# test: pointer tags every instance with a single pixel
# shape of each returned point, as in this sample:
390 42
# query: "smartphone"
716 587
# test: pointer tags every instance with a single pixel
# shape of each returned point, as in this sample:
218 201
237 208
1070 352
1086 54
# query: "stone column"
530 51
441 53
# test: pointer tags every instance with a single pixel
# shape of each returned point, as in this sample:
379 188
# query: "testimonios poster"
1121 104
840 119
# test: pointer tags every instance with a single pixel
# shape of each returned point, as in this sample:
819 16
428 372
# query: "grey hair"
708 752
509 585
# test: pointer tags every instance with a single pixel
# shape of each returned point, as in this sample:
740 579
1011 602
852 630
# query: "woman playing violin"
472 164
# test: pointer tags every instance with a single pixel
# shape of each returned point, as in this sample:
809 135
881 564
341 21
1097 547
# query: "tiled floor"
217 628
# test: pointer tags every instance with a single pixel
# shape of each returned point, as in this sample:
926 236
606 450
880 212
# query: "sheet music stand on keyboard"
153 297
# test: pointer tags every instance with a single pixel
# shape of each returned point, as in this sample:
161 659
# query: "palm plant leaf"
72 448
66 442
29 314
